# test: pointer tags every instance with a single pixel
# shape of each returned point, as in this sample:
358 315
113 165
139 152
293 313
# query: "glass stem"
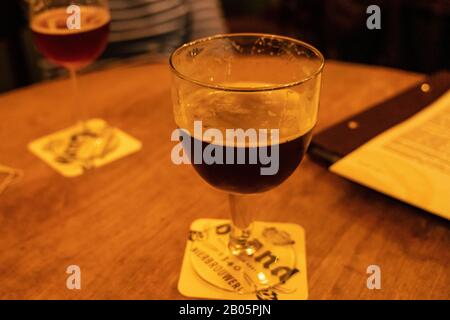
78 110
241 226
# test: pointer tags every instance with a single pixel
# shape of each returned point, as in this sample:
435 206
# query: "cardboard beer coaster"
209 272
71 152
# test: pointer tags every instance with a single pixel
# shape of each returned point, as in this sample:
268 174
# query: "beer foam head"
287 110
54 21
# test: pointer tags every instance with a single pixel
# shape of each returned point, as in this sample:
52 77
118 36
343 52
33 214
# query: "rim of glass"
247 89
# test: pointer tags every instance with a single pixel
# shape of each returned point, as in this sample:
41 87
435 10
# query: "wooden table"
126 224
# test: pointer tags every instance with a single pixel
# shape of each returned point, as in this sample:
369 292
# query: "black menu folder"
342 138
400 147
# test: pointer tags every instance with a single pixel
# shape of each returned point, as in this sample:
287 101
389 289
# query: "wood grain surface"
126 224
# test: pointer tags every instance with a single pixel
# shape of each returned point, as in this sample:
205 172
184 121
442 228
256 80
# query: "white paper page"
410 161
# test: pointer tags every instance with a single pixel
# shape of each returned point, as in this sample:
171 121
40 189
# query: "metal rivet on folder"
353 125
425 87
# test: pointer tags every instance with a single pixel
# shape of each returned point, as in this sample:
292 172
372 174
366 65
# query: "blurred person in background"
413 34
159 26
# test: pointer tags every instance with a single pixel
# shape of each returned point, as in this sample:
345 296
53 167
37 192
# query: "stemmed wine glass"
245 83
73 34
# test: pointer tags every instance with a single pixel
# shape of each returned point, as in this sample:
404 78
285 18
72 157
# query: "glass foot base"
270 261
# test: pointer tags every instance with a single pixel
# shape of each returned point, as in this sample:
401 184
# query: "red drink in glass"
71 48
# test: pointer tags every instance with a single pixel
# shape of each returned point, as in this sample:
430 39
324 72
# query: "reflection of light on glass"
262 277
250 251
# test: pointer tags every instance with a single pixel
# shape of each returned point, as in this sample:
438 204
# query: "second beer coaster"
209 272
72 151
